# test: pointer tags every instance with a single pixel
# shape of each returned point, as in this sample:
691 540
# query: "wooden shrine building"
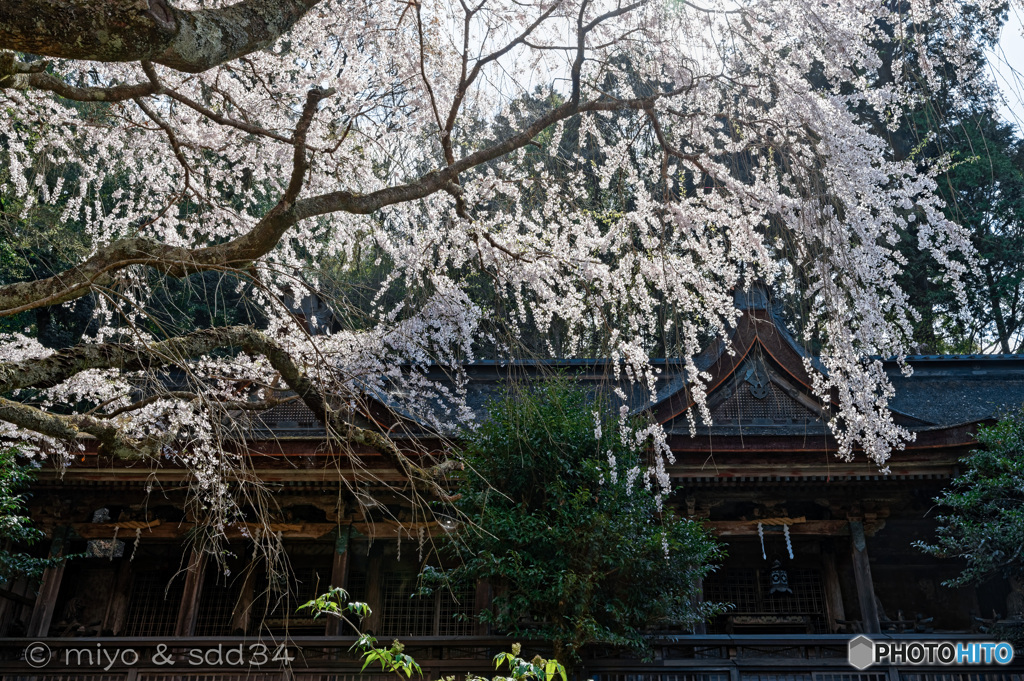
764 477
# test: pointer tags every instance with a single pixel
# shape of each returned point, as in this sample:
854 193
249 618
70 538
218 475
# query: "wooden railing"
681 658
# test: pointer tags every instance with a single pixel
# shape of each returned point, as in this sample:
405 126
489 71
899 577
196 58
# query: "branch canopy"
352 198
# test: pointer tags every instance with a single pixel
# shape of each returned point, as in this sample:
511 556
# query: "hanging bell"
780 579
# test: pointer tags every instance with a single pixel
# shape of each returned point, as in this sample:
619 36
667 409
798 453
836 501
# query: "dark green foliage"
15 527
987 196
37 243
982 513
957 126
563 527
42 238
201 301
984 191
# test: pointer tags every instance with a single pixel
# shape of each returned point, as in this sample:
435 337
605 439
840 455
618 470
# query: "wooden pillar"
862 576
241 615
374 590
700 627
49 588
188 611
117 608
833 591
339 574
482 602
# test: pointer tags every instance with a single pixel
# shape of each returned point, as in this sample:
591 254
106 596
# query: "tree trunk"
146 30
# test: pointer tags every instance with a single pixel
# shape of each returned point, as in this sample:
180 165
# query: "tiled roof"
761 389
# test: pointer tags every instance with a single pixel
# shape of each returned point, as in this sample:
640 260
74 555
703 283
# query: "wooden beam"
183 529
748 528
188 611
16 597
815 443
49 587
862 576
339 574
765 458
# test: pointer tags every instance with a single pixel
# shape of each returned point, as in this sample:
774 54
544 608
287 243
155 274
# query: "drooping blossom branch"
612 170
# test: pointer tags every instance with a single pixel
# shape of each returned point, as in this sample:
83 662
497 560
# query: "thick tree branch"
153 30
666 145
112 441
300 163
21 76
438 180
102 267
99 270
18 75
47 372
52 370
465 81
172 137
175 261
226 405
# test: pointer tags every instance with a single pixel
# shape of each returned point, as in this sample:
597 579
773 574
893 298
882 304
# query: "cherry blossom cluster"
717 145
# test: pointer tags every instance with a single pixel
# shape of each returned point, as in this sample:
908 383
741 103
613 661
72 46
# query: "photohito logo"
863 652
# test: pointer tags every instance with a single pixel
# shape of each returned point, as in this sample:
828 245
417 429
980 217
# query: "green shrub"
16 529
559 516
981 519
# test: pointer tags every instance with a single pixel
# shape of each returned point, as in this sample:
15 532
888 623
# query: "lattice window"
662 676
404 614
153 603
739 587
750 591
356 588
775 676
764 404
220 594
308 580
453 607
435 615
292 414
